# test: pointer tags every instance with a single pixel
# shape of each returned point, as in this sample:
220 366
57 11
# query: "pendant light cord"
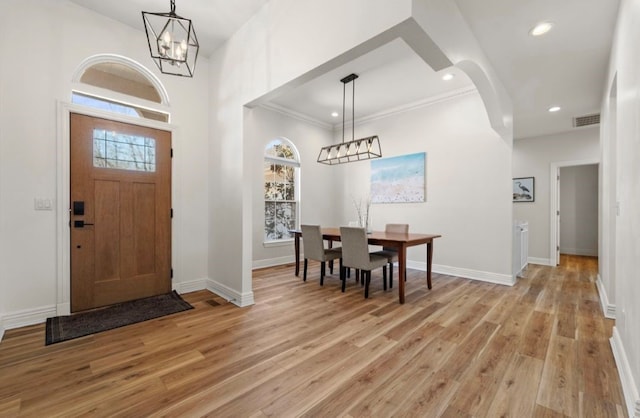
353 111
351 78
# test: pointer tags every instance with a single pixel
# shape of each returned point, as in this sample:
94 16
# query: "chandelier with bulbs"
173 43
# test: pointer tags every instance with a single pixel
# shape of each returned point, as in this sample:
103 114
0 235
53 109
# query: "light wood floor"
465 348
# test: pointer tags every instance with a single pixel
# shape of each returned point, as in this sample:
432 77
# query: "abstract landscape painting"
399 179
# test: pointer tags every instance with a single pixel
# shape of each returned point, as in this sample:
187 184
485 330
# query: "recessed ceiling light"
554 109
448 77
334 114
541 28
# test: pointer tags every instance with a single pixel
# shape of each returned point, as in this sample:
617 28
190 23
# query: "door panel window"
122 151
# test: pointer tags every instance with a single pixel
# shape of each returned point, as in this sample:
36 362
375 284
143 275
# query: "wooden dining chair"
390 252
314 250
355 254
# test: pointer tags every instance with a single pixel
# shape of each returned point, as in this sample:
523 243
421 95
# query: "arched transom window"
119 85
281 194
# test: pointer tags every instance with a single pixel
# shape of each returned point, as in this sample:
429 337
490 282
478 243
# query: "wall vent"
587 120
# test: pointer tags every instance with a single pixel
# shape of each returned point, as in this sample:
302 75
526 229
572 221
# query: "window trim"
280 160
119 99
79 87
279 243
105 94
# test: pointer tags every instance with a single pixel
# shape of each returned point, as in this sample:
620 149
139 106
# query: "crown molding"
407 107
296 115
430 101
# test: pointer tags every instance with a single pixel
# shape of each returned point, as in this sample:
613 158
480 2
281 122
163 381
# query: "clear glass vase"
365 222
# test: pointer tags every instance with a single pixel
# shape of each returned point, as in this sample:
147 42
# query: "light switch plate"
42 203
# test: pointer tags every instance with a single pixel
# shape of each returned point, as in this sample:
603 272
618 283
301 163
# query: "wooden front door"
120 212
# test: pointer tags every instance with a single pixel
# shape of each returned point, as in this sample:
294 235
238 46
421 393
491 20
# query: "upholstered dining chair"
355 254
314 250
390 252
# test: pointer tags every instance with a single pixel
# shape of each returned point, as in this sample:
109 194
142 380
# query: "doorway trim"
554 203
63 242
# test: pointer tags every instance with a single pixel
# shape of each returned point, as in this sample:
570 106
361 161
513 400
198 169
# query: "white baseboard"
540 261
608 309
590 252
270 262
27 317
519 272
483 276
629 387
239 299
190 286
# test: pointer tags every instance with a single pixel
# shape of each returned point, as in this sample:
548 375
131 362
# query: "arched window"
120 85
281 194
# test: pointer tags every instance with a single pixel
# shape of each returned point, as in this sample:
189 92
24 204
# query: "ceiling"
214 20
566 67
389 78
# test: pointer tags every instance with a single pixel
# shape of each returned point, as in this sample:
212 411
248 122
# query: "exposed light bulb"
554 109
448 77
334 114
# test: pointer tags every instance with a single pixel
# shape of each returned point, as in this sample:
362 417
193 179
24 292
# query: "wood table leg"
296 244
330 245
402 260
429 260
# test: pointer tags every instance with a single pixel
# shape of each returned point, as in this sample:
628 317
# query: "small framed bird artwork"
524 189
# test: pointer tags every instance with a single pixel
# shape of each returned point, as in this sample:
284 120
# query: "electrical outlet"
620 318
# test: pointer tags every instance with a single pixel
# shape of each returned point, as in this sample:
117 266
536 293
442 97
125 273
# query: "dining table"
399 241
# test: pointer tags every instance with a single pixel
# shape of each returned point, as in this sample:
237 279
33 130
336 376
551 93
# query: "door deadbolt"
78 208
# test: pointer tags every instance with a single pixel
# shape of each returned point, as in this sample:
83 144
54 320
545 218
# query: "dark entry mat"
63 328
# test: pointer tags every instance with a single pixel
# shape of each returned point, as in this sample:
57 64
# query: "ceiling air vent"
587 120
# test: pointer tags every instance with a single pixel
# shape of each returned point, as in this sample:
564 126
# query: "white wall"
319 200
532 157
468 180
625 68
3 285
49 40
608 202
579 210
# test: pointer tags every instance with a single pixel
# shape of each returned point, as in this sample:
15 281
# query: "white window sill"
280 243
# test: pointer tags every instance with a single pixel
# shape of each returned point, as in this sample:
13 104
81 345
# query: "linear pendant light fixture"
173 43
356 149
